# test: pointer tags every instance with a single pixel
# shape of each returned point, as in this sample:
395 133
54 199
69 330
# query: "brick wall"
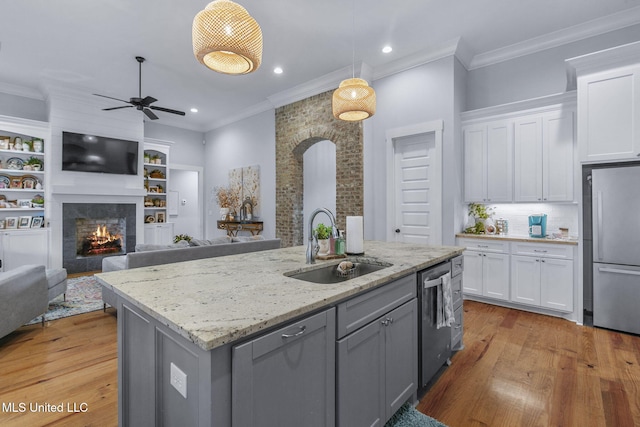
298 127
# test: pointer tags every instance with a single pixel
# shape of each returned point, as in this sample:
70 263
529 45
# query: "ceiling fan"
141 104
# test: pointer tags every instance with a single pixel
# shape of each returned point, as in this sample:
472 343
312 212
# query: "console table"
232 227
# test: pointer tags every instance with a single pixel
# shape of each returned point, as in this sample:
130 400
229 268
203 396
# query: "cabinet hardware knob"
297 334
397 230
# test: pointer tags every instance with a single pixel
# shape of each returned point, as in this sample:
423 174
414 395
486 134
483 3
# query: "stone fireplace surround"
71 211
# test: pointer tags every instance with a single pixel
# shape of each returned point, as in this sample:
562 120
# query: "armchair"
23 296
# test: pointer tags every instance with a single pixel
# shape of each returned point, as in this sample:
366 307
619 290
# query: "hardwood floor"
517 369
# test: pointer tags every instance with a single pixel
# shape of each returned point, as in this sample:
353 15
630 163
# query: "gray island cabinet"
226 342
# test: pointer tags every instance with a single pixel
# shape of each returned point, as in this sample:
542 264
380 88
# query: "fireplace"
91 231
101 236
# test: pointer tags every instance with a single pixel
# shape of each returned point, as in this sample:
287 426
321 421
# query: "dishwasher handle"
433 282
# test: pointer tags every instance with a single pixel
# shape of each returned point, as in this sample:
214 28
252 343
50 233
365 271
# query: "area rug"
408 416
84 294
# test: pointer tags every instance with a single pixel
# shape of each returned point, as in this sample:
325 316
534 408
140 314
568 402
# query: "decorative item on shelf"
27 146
149 219
29 182
226 38
160 217
160 189
38 185
5 182
24 222
16 182
15 163
24 203
147 158
148 202
155 159
36 163
17 144
37 222
227 197
38 145
184 237
4 142
224 213
354 100
156 173
3 223
323 233
12 222
37 201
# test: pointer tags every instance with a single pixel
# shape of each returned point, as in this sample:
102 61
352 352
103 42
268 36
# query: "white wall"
538 74
244 143
185 182
188 145
558 215
319 182
26 108
418 95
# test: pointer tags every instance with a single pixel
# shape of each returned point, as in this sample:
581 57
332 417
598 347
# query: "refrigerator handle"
599 224
619 271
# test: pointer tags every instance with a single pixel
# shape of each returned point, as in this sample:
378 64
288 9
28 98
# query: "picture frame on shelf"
16 182
12 222
24 222
153 189
160 217
37 222
24 203
3 224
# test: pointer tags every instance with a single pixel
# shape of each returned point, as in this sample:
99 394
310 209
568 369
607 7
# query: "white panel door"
417 217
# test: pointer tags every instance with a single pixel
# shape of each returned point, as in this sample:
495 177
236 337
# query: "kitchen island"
184 323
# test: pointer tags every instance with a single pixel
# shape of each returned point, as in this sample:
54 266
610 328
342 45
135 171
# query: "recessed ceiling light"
387 49
278 70
194 110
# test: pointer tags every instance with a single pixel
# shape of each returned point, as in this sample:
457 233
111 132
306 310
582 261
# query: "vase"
37 146
224 212
324 246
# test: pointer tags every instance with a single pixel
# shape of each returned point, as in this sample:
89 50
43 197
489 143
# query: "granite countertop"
216 301
515 238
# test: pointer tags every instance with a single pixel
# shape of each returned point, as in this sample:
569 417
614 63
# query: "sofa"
25 293
148 255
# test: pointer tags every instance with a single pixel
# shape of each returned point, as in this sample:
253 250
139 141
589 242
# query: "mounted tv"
91 153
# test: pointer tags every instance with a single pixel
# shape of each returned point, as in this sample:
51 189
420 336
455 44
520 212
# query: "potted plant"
179 237
479 218
227 199
147 158
323 233
37 201
35 163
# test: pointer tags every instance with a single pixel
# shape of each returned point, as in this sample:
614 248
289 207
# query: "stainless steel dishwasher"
434 344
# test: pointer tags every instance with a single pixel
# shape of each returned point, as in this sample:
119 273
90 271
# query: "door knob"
397 230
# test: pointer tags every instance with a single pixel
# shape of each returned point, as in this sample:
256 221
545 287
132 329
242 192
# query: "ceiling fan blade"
110 97
150 114
117 108
168 110
148 100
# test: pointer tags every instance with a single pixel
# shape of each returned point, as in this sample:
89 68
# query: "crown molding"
543 103
578 32
23 91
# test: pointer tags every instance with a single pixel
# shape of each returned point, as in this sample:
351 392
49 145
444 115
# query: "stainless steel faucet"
312 245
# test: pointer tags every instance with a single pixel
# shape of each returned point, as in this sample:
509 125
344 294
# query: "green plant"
34 161
480 211
38 199
322 231
179 237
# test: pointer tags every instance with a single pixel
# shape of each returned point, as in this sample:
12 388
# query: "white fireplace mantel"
93 190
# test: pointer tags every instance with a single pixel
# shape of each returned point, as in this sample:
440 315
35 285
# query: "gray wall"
247 142
26 108
539 74
188 147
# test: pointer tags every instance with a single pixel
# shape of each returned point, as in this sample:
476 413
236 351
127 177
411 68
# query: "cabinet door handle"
483 246
544 251
297 334
390 319
384 322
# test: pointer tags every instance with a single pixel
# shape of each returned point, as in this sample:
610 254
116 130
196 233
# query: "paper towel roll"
355 235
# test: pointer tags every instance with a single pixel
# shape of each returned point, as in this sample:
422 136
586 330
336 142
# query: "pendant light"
226 38
354 99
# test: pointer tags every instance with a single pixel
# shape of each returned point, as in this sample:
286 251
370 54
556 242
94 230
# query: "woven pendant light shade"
226 38
354 100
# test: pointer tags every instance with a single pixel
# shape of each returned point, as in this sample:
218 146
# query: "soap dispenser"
339 243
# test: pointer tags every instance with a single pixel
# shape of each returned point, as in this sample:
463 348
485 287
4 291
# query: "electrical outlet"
179 380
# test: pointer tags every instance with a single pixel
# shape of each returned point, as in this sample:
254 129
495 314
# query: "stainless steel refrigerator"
616 248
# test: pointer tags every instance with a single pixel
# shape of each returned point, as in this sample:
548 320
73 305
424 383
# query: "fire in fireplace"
96 237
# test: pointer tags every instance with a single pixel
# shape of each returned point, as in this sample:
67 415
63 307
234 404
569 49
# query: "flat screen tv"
91 153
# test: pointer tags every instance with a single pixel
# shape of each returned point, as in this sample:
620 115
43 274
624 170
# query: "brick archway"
298 127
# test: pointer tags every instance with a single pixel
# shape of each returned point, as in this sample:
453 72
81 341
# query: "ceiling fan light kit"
354 100
226 38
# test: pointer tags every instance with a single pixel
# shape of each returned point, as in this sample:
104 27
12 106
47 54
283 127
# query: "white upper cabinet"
488 162
608 85
609 115
544 157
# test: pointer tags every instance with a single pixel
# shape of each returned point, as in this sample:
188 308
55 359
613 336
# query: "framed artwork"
12 222
24 222
16 182
24 203
153 189
160 217
37 221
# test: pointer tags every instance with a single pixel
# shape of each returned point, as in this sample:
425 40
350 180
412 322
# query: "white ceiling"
91 45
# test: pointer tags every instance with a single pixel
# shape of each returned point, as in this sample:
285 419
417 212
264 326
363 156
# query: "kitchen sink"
329 273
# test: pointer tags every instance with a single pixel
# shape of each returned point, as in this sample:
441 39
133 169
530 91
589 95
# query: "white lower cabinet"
21 247
542 275
486 268
158 234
